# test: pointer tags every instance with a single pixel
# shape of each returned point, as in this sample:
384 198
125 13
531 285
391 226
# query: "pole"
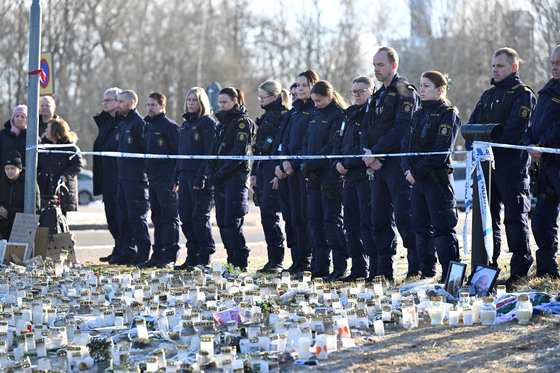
478 251
32 107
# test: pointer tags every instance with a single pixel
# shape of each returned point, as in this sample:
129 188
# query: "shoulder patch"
557 100
527 89
324 121
392 93
242 125
240 120
305 112
524 112
444 130
515 86
241 136
313 121
410 86
336 134
407 107
283 111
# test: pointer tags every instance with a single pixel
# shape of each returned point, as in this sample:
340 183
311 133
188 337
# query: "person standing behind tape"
230 177
196 196
105 169
132 194
263 181
356 196
47 109
545 131
162 137
510 103
302 110
390 112
324 184
433 128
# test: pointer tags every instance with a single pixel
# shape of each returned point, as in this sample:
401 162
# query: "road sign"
47 78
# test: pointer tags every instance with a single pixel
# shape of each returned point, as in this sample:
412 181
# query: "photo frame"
483 279
455 277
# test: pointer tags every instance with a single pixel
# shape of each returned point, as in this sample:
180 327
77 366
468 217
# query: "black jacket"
195 138
54 165
162 137
12 194
292 143
268 127
10 142
105 169
234 136
132 133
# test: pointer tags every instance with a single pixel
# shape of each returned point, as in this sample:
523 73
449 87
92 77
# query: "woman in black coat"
60 166
12 192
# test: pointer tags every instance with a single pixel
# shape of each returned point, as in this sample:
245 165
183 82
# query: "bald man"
47 108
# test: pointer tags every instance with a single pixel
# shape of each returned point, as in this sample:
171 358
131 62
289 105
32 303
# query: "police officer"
230 177
356 196
132 193
196 196
324 184
162 138
434 128
509 103
301 113
390 112
545 131
105 169
262 176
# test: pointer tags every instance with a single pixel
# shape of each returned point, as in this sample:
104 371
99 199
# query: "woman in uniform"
292 141
324 184
230 177
195 194
356 197
262 177
433 128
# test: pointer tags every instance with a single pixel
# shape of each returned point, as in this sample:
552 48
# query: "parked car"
85 187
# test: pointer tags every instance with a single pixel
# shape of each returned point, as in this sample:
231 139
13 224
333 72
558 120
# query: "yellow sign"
47 77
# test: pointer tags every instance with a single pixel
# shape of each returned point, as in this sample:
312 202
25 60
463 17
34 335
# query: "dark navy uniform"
283 189
163 138
106 171
195 138
268 125
324 192
356 195
234 136
509 103
434 128
390 112
133 195
292 145
545 131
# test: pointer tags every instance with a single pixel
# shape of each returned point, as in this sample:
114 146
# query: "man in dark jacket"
12 190
162 138
510 103
105 169
47 108
132 194
545 131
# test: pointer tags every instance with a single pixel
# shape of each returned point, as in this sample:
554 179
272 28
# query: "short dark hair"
130 96
159 97
511 54
391 54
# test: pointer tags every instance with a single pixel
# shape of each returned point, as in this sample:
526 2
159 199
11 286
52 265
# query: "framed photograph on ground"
483 279
455 276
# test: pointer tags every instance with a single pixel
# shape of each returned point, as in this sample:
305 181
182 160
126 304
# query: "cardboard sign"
25 226
59 242
17 249
41 238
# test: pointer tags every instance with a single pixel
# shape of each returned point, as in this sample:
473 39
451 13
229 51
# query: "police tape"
51 148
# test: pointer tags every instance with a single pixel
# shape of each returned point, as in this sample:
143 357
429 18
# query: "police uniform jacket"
348 143
131 140
268 126
433 128
234 136
162 138
105 169
388 117
196 137
509 103
54 165
292 143
323 129
545 121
